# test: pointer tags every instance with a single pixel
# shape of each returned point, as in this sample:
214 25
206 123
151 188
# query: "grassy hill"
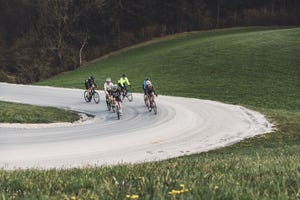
255 67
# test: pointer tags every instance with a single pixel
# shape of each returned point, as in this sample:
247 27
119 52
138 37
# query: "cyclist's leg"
148 100
153 96
91 89
125 90
152 99
107 95
120 106
89 92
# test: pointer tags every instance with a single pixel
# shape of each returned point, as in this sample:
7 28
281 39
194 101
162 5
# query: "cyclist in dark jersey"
90 85
150 92
116 96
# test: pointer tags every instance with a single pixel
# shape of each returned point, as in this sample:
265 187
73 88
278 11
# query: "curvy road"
182 126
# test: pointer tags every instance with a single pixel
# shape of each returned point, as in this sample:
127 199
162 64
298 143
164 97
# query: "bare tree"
64 29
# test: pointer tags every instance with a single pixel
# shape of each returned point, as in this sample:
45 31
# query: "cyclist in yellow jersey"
123 82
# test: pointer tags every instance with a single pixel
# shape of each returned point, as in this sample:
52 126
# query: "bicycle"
127 93
94 94
115 108
152 104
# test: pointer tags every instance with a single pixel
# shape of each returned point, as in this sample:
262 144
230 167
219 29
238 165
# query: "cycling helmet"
92 78
124 75
148 82
108 80
115 87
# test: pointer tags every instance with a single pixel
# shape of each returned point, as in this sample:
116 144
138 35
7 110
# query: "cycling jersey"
116 94
89 83
123 81
149 91
108 87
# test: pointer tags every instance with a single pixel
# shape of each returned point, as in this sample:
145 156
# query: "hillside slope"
253 66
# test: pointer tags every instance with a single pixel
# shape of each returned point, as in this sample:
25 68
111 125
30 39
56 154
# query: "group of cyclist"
115 92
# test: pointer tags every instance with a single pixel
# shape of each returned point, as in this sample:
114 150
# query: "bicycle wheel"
85 96
113 108
96 97
129 96
118 111
154 107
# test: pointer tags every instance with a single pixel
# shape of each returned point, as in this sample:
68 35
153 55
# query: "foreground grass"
255 67
22 113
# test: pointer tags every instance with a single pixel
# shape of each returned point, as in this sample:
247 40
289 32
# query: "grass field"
22 113
256 67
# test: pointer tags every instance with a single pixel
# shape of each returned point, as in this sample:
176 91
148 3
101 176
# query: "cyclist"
150 92
108 87
90 85
116 97
144 85
123 82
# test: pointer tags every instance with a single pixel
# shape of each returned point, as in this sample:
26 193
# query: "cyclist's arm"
153 90
127 81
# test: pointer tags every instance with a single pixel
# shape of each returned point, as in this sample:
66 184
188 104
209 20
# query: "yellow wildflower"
128 196
181 191
216 187
134 196
73 197
174 192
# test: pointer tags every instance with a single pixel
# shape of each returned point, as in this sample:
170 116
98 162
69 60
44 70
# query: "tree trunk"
83 44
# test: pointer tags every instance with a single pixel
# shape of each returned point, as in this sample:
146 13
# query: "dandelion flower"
134 196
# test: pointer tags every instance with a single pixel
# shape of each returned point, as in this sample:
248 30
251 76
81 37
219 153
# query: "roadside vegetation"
254 67
23 113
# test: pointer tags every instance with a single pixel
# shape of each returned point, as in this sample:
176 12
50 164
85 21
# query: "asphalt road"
182 126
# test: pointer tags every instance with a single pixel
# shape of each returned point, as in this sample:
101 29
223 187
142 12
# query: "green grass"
22 113
255 67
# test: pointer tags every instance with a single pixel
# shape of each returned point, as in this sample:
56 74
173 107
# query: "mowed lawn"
23 113
255 67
